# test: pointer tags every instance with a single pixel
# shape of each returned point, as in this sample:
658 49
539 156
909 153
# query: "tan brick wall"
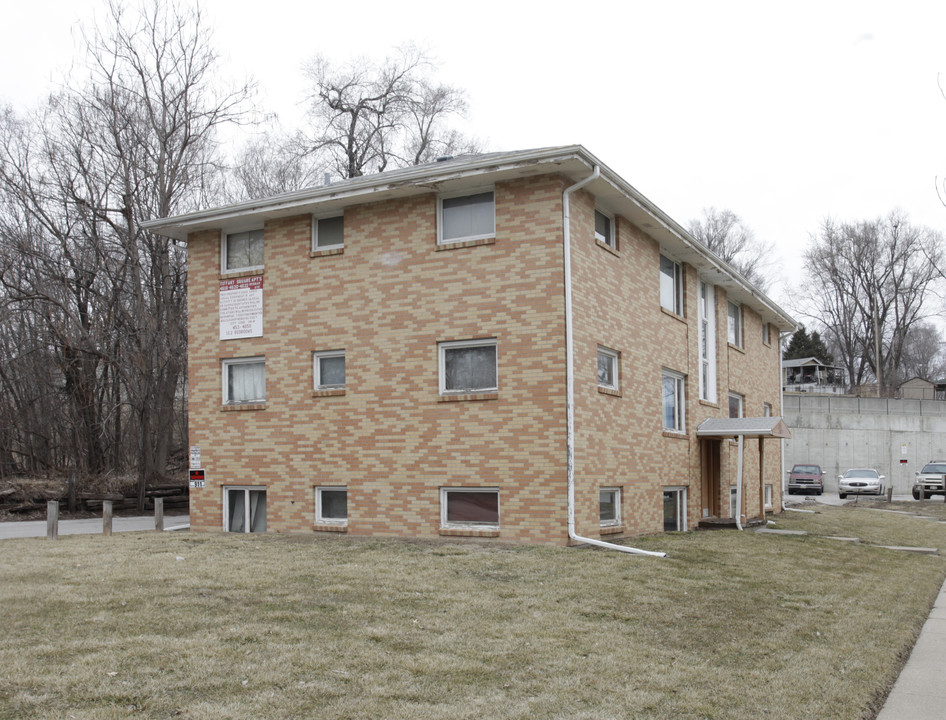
620 440
388 300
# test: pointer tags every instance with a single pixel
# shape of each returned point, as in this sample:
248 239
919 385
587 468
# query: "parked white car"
860 481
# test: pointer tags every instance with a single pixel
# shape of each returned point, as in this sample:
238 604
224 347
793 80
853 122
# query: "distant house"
917 388
514 345
813 376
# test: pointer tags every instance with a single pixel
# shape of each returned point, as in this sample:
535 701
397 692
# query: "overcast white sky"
785 113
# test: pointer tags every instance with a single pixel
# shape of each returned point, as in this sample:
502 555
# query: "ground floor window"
469 507
732 502
609 502
768 497
331 505
675 509
244 509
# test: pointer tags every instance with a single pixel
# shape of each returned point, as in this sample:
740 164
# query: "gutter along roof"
470 171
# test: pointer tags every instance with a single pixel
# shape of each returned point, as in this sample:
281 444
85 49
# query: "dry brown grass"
731 625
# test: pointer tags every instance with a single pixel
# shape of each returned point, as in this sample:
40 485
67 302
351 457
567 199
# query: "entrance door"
709 486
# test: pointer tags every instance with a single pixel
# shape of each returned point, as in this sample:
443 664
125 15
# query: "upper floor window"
766 333
466 217
328 233
734 325
736 405
707 302
671 285
674 418
468 366
242 251
244 380
766 409
329 369
604 229
608 376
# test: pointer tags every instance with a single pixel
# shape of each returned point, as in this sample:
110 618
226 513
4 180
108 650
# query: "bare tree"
923 354
724 232
869 285
270 164
368 116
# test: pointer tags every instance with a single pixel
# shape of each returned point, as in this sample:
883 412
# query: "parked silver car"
931 480
860 481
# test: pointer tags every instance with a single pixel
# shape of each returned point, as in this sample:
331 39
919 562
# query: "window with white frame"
241 251
468 366
671 285
244 509
707 342
328 233
329 369
604 229
331 505
609 506
674 418
734 324
469 508
736 405
466 217
244 380
766 409
768 497
675 509
766 333
733 497
608 369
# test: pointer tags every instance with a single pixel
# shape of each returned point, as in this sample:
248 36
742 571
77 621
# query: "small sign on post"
195 457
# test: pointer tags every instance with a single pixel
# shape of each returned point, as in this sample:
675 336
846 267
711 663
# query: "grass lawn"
731 625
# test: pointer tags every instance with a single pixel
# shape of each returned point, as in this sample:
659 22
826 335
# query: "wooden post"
159 514
107 517
52 519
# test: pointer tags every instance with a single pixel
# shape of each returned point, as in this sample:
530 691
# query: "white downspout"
741 441
570 379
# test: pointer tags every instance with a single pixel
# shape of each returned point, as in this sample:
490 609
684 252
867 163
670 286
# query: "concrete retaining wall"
838 433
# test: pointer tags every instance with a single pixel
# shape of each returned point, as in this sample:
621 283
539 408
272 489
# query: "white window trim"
618 520
767 497
225 385
707 305
766 333
317 369
679 386
223 253
318 506
682 491
735 341
441 347
677 285
614 356
246 508
444 524
610 241
468 238
315 233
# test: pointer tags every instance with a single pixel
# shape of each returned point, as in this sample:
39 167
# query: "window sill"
671 313
470 532
609 391
234 274
465 244
611 529
677 434
709 403
326 252
605 246
470 396
325 527
736 348
243 407
328 392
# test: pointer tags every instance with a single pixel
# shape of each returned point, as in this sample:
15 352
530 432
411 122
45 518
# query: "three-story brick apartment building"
512 345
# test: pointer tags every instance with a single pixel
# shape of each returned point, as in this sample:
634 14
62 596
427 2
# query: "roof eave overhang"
763 427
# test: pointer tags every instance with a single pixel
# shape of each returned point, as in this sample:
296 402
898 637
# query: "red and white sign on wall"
241 307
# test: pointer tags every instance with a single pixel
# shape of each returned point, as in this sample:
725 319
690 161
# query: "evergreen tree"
803 345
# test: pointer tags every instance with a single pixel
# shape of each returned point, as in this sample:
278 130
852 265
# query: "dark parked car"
806 478
931 480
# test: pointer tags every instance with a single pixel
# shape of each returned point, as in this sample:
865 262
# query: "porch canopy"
741 428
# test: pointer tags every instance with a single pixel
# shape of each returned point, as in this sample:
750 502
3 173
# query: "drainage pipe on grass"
570 379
